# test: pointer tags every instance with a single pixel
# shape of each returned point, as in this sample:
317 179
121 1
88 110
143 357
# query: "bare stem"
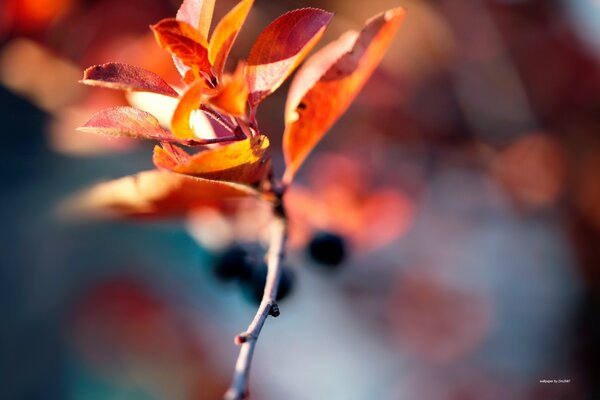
244 127
268 306
203 142
218 117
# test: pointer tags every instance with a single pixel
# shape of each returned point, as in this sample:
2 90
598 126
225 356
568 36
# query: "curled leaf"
126 121
281 47
153 194
189 102
233 94
225 33
197 13
241 161
185 43
328 83
126 77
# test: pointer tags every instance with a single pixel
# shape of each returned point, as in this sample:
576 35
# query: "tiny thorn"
274 310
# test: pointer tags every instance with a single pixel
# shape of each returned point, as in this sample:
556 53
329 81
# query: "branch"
201 142
218 117
268 306
246 131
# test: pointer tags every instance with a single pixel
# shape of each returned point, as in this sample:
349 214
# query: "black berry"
255 286
232 264
328 249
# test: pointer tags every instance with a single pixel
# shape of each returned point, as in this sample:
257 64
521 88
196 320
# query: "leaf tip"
394 12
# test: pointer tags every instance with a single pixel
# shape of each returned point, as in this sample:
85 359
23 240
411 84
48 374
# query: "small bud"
274 311
240 339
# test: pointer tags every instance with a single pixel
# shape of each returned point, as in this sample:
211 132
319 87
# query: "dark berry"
232 264
255 286
328 249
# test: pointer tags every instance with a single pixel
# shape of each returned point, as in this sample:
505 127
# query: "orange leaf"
126 121
189 102
233 95
184 42
169 157
197 13
326 86
241 161
225 34
281 47
154 193
126 77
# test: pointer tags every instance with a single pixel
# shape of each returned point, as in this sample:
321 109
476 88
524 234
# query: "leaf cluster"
194 170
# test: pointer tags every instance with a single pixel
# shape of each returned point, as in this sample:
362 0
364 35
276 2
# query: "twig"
268 306
201 142
252 118
244 127
218 117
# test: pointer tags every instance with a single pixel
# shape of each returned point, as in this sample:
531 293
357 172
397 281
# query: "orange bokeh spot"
532 170
436 322
33 15
345 197
126 333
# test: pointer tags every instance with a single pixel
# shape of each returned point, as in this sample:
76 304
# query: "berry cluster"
244 264
240 263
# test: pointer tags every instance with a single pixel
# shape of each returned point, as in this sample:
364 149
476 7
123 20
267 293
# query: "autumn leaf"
281 47
233 94
197 13
126 121
240 162
328 83
185 43
189 102
315 67
126 77
225 33
153 194
169 157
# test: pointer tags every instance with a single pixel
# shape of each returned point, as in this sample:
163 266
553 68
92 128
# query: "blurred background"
464 182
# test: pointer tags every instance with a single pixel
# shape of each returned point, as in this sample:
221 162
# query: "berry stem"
268 306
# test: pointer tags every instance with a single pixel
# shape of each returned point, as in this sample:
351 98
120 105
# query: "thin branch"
268 306
201 142
244 127
252 118
218 117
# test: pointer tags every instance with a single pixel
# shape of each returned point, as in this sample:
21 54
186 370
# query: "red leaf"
185 43
225 34
197 13
241 161
327 84
126 121
281 47
154 194
126 77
